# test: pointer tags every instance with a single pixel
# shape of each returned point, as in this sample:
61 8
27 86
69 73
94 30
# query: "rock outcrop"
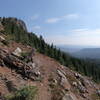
69 96
63 81
18 22
26 70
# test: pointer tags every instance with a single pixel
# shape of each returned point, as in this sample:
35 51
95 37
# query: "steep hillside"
55 81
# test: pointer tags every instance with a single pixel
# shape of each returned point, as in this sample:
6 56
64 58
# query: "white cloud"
34 17
36 27
65 17
77 37
71 16
52 20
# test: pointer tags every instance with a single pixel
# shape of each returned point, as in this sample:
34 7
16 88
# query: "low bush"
26 93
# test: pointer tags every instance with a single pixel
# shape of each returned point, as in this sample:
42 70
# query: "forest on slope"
15 29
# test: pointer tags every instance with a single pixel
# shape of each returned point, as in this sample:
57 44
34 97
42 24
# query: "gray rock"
82 89
2 38
55 81
17 52
32 64
69 97
75 84
77 75
63 81
37 73
61 74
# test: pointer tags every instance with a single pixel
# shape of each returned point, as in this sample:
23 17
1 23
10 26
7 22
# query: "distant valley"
93 53
82 52
70 48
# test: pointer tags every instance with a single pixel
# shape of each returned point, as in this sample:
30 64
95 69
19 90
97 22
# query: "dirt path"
46 68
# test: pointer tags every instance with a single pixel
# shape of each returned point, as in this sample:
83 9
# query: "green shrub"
24 54
26 93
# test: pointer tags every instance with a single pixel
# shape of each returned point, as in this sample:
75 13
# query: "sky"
62 22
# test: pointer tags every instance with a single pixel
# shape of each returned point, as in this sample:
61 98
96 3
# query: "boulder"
75 84
17 52
77 75
37 73
69 96
2 38
63 81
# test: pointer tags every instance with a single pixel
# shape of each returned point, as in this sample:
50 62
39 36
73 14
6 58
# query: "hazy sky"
75 22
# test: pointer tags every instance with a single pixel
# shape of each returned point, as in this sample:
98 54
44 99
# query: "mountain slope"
58 82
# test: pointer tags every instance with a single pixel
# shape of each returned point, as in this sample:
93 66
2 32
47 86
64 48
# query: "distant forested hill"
93 53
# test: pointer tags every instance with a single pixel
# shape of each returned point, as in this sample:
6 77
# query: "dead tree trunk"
30 56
